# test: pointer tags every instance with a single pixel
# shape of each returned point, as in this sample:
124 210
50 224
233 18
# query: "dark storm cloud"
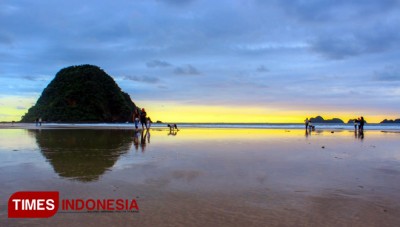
328 10
36 78
339 29
157 63
177 2
389 74
262 69
5 39
186 70
340 45
144 79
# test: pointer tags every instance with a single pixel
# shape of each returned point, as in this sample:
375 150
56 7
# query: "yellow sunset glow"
11 109
173 112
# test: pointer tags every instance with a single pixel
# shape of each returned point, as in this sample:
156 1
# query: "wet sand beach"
208 177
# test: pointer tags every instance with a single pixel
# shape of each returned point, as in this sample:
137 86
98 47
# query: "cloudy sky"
212 61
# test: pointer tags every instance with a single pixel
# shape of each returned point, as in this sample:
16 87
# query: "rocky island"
319 119
386 121
83 93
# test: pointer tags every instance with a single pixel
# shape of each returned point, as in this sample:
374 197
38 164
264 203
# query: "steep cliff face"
82 93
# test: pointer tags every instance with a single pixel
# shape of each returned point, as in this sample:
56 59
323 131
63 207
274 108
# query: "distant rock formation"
319 119
351 121
386 121
82 93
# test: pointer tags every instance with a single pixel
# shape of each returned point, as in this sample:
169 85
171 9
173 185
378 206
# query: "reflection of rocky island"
319 119
82 94
83 155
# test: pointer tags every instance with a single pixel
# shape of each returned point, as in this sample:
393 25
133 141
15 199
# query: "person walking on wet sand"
143 118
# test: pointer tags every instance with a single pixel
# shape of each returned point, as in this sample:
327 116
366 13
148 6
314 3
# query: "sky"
212 61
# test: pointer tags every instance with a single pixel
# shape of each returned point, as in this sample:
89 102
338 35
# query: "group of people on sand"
359 125
144 137
146 121
38 121
142 118
309 125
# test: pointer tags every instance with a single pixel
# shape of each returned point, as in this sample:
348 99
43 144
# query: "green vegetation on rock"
82 93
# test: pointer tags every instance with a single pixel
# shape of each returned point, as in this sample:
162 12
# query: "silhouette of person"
136 119
149 122
143 118
306 122
355 124
310 126
361 126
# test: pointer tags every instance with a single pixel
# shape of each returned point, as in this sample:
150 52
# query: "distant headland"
83 93
319 119
386 121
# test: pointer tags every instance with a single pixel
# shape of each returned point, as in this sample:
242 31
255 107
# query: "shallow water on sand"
212 177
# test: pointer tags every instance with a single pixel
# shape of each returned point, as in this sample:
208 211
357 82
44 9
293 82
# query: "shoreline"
159 126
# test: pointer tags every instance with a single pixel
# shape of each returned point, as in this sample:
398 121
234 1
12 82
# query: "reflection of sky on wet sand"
200 170
247 149
240 159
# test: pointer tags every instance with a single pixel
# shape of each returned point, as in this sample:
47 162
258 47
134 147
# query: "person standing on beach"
361 125
310 126
40 121
355 124
143 118
149 122
136 119
307 122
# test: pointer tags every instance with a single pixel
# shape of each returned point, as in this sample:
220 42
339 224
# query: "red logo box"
33 204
